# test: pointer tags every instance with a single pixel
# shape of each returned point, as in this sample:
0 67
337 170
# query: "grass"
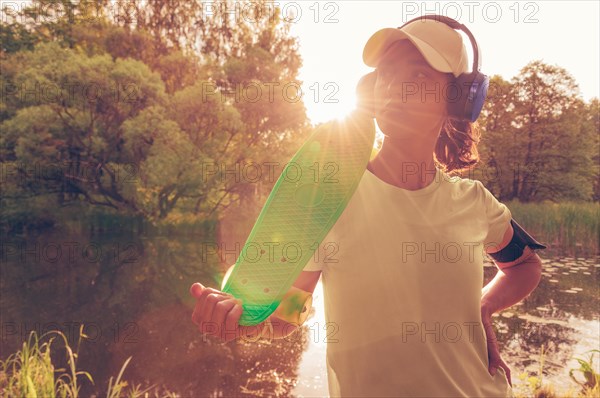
567 226
30 373
536 387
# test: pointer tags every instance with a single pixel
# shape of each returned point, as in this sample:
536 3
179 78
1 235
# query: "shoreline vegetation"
567 228
30 372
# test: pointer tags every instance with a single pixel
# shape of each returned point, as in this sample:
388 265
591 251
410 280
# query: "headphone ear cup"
467 96
479 93
365 94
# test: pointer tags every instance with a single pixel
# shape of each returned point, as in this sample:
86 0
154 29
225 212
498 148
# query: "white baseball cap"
441 46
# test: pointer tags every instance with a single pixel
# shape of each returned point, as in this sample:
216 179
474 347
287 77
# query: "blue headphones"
467 94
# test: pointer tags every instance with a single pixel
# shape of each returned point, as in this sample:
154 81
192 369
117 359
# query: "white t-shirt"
402 274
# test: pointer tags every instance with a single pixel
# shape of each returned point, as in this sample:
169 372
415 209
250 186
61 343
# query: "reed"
536 388
30 372
566 227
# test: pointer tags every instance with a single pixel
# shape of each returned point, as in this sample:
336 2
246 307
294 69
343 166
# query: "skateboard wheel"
295 306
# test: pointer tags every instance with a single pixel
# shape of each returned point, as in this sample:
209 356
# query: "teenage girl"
405 309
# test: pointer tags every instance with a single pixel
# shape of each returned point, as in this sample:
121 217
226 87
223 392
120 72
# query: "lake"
131 295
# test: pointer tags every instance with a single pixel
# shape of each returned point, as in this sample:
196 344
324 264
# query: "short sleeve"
497 217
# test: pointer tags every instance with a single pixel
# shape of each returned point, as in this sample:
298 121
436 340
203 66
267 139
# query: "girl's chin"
403 118
408 131
404 136
403 124
396 122
391 114
396 132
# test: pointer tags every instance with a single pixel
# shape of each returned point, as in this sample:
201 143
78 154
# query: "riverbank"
31 372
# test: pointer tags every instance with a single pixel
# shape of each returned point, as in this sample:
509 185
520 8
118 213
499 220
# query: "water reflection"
132 295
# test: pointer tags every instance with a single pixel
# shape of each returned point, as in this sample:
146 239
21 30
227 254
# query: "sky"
510 34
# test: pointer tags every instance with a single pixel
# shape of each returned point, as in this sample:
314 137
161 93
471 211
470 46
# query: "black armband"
515 247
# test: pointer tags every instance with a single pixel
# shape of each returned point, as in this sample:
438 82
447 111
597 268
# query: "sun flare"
335 102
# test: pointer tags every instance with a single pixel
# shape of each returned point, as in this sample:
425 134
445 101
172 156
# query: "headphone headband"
454 24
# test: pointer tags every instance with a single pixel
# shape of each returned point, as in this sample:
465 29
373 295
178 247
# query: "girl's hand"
216 313
494 358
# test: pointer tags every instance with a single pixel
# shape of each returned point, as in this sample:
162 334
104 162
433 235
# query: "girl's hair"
456 147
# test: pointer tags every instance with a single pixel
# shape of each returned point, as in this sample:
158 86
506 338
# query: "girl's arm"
513 282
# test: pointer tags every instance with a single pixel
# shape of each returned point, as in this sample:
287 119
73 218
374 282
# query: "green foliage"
65 138
568 225
540 140
535 382
31 373
126 116
538 389
592 379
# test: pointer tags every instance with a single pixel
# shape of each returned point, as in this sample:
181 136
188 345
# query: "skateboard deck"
304 204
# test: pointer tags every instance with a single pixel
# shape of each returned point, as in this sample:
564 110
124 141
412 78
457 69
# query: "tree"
71 110
497 138
46 20
539 136
144 117
592 120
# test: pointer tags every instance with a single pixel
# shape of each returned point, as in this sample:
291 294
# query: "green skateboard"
306 201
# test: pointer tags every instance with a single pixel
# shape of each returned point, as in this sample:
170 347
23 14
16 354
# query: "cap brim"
381 41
